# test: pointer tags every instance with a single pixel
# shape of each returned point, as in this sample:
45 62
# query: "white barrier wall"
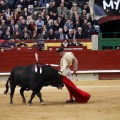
94 42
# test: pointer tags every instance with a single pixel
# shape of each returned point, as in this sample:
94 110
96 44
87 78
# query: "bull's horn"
61 73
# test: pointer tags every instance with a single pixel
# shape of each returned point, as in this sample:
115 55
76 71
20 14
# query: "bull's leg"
22 94
40 97
12 93
32 96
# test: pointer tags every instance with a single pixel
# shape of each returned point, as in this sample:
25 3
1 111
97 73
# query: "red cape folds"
80 95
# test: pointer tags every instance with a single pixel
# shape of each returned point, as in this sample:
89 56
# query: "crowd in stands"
56 20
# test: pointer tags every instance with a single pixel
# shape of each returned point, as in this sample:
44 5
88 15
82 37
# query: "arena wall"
104 63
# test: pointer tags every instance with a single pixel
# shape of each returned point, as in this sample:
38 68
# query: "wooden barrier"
88 60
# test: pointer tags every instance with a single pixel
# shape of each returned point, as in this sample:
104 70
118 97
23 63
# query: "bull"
29 79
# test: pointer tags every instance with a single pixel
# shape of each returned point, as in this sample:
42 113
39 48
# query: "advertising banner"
107 7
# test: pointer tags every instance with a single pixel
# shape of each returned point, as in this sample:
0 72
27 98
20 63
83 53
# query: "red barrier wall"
88 59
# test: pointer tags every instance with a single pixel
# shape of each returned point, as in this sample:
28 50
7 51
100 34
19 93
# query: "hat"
60 50
79 28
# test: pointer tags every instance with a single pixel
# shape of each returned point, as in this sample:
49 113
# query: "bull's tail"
7 87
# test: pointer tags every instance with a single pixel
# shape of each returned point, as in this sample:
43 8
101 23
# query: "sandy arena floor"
104 103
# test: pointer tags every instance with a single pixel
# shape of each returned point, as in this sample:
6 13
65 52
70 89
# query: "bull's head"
58 81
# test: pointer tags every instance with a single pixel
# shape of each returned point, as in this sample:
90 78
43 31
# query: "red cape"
80 95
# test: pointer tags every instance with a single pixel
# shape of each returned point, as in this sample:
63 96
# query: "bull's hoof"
11 104
23 101
29 104
42 103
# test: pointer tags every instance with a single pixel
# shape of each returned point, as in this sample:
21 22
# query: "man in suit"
62 11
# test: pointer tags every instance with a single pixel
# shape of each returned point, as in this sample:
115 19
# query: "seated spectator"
22 44
26 36
85 28
60 22
51 35
17 32
49 25
23 24
69 24
62 10
65 43
91 30
8 36
77 24
86 7
75 8
10 43
75 43
43 3
3 6
60 35
17 35
35 33
79 33
39 23
26 30
65 31
25 13
56 26
35 15
70 34
44 35
31 25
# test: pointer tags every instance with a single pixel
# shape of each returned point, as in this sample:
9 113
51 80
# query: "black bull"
28 79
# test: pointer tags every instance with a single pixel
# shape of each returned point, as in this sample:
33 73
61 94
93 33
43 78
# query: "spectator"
8 36
35 15
52 8
81 3
23 24
17 36
11 43
25 13
70 34
60 22
43 3
65 43
12 26
69 24
65 31
22 44
55 26
44 35
17 32
16 16
79 34
88 17
3 6
39 23
76 9
4 26
62 11
31 25
60 35
35 33
51 35
8 14
43 17
83 15
85 28
91 30
86 7
26 36
77 24
75 43
21 3
49 25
